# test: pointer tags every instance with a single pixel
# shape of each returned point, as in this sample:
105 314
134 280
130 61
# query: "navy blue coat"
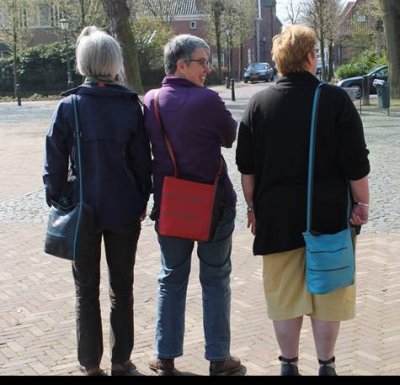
115 152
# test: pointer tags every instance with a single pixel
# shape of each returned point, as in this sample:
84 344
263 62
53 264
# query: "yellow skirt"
287 296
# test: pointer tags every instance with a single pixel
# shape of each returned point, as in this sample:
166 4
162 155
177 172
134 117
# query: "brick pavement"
37 332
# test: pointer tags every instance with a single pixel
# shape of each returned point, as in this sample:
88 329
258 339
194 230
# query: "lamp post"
264 50
258 22
64 26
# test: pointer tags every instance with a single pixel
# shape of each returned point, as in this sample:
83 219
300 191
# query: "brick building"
358 17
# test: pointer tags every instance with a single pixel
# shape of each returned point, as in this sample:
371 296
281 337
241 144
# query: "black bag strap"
77 134
156 103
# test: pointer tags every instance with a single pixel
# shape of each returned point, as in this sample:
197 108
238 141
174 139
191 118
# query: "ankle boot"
325 369
287 368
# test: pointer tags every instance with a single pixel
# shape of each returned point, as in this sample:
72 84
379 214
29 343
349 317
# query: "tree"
238 23
151 36
215 10
14 30
118 22
163 10
323 17
292 12
333 11
391 22
80 13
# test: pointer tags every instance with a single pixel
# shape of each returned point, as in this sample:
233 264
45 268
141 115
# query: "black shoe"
325 369
229 367
287 368
126 369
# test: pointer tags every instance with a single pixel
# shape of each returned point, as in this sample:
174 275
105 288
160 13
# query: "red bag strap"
167 141
161 124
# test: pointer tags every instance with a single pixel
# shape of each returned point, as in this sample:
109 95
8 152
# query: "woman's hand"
251 222
359 214
143 216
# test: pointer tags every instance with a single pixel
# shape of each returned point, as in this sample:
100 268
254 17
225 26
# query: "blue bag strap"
77 132
311 155
311 158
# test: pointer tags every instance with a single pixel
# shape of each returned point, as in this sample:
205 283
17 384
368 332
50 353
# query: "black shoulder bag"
71 230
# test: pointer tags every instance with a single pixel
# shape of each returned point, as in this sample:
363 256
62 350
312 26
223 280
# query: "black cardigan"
273 144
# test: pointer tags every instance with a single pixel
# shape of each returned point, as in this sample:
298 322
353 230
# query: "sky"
281 8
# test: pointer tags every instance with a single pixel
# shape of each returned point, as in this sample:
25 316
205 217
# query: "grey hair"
181 47
98 55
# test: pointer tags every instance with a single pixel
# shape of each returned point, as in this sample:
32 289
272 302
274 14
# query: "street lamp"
64 26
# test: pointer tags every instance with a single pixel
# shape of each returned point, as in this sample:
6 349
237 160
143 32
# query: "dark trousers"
120 248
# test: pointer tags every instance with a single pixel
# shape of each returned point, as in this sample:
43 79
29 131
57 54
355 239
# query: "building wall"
365 21
270 25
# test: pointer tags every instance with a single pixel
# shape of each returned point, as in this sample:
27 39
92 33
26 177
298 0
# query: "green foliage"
150 36
360 65
42 69
6 75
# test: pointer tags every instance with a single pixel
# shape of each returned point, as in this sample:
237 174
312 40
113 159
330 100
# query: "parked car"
380 73
259 72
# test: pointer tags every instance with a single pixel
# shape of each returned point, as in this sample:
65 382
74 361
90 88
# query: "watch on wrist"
250 208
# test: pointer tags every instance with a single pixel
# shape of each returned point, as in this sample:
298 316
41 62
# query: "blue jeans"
215 270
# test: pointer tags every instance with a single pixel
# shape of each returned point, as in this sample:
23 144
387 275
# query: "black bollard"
233 90
365 90
18 95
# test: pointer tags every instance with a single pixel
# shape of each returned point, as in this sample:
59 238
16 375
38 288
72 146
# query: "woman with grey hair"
116 183
197 124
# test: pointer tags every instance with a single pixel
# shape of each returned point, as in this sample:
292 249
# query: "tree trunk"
391 22
15 63
117 15
217 22
330 60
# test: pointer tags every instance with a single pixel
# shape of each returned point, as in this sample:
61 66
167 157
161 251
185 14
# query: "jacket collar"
176 81
298 79
92 86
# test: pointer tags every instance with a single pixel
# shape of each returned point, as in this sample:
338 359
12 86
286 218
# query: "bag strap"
156 103
311 158
77 134
161 124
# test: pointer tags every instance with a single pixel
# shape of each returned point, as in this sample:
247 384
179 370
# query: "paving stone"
37 300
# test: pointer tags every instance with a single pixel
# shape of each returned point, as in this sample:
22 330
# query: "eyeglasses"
203 62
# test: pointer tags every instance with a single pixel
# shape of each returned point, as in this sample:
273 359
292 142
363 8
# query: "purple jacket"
198 125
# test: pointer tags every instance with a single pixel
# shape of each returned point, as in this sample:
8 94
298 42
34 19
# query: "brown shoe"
229 367
163 366
126 369
93 371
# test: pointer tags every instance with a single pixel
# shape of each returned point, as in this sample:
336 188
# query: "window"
193 24
214 60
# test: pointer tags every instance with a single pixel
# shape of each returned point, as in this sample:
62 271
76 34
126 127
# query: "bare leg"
325 336
287 333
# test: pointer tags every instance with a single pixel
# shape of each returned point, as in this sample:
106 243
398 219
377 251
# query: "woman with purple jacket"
197 124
